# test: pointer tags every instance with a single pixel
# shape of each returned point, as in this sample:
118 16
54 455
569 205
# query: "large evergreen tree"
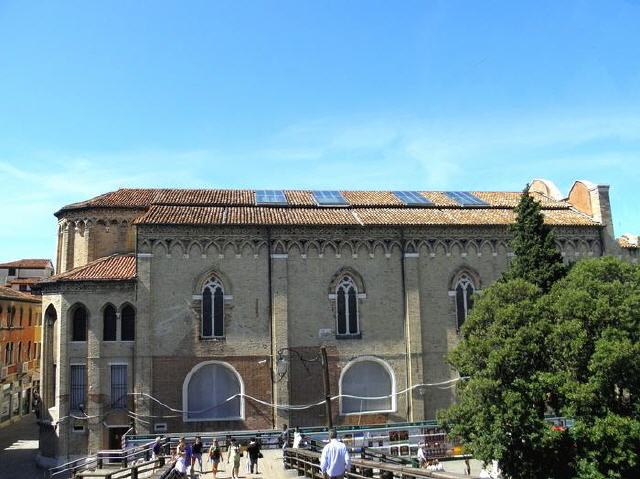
537 259
546 341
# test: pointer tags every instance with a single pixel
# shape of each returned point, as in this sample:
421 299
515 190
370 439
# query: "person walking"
181 464
196 451
214 457
234 454
334 460
253 450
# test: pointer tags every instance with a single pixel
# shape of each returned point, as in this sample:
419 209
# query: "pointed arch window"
464 290
128 325
109 323
347 307
213 309
79 324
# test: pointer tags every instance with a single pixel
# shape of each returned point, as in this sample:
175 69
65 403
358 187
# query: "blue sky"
428 95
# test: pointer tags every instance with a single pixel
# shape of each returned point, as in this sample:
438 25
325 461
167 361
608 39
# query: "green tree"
536 259
572 351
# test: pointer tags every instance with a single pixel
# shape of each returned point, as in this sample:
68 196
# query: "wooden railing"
307 463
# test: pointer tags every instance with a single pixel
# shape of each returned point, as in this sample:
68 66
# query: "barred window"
347 306
109 323
77 386
79 324
464 299
213 309
363 379
213 392
128 318
119 386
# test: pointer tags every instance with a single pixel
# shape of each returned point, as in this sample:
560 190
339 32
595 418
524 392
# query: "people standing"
214 456
297 438
334 460
181 459
197 453
234 455
253 450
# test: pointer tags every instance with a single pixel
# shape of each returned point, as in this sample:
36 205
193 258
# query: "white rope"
299 407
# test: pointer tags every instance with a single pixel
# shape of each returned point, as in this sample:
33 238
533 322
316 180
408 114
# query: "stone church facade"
197 310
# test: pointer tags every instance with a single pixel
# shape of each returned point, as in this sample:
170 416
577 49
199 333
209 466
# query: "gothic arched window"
128 325
367 378
213 309
109 323
347 306
464 289
79 324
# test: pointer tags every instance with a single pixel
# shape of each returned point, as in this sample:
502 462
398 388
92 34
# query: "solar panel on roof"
411 198
329 198
273 197
465 198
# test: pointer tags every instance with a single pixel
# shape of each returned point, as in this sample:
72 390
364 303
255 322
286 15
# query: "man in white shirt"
335 459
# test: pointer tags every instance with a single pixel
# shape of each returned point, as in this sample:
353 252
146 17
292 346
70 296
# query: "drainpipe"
272 352
405 311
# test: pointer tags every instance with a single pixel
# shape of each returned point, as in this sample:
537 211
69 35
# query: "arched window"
8 350
128 325
207 391
19 357
109 323
367 378
29 351
347 306
79 324
213 309
21 315
464 290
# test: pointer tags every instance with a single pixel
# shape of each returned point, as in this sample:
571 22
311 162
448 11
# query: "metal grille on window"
464 299
109 323
213 309
366 379
119 387
77 386
128 318
209 391
347 306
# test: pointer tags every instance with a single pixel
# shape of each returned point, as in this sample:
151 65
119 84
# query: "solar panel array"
270 197
465 198
329 198
411 198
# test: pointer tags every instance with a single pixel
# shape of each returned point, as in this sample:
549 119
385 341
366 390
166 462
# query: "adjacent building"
21 275
199 310
20 351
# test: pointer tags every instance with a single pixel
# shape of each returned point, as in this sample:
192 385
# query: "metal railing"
132 472
121 457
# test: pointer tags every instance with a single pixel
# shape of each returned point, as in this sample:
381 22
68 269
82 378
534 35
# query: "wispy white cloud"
360 153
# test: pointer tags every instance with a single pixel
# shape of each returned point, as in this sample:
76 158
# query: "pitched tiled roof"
28 263
199 215
25 280
118 267
629 241
209 206
143 198
13 295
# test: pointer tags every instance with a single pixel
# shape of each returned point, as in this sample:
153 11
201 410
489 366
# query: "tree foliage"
536 258
573 351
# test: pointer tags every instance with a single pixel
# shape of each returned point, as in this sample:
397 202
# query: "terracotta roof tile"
25 280
371 198
299 197
119 267
629 241
13 295
204 197
28 263
122 198
256 215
